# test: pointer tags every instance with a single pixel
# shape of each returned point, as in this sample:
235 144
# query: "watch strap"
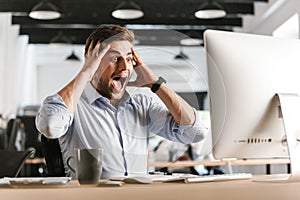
157 84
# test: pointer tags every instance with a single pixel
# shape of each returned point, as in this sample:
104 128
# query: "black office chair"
53 157
3 138
14 130
12 161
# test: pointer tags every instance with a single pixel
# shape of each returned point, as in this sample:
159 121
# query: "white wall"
13 65
51 78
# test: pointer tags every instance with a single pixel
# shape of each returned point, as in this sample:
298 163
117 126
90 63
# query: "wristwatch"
157 84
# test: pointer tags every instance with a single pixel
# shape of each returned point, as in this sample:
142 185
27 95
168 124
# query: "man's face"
114 70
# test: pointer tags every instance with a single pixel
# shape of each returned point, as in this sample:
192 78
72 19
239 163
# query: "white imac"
253 80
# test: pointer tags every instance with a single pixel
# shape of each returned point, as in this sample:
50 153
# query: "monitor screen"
245 72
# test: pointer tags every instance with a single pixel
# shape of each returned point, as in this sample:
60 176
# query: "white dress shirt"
122 132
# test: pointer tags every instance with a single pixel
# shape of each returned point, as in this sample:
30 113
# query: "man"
95 111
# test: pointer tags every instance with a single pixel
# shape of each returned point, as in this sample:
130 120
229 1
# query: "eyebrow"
117 52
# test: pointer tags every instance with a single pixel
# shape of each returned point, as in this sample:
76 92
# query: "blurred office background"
39 56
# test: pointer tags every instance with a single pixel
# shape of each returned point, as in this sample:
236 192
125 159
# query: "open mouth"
118 82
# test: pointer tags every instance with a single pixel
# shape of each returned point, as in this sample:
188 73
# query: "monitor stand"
290 110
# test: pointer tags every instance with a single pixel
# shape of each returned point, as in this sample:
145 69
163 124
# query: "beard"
104 88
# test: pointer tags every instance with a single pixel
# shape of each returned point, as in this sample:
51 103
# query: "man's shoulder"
140 97
144 99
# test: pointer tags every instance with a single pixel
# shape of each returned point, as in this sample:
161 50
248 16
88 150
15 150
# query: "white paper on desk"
157 177
36 180
4 182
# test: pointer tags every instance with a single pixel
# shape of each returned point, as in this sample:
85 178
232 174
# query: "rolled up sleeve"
186 134
192 133
53 118
164 125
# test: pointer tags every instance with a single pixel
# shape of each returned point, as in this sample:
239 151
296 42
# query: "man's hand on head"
93 58
145 75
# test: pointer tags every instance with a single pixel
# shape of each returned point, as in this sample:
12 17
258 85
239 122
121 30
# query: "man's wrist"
157 84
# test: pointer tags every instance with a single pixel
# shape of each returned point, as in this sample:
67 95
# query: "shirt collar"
91 93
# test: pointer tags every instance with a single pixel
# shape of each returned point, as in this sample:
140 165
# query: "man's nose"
123 64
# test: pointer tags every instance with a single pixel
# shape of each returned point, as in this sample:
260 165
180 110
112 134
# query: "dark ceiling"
165 22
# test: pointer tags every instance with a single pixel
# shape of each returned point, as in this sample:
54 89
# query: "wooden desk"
228 190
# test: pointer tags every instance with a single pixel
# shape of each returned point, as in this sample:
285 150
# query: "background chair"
12 161
53 157
15 135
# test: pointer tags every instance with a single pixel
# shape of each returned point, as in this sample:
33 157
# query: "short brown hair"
108 33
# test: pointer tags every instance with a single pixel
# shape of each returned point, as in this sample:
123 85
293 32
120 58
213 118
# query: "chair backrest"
31 133
3 138
12 132
12 161
53 157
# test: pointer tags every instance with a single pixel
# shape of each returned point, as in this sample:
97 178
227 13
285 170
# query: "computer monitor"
245 74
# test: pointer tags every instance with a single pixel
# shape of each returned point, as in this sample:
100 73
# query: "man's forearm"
182 112
72 92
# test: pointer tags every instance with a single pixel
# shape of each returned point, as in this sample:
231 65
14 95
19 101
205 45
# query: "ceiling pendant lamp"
192 38
191 41
127 10
210 10
60 40
181 55
73 57
45 10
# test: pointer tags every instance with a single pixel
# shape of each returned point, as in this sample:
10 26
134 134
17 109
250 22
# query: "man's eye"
129 59
115 59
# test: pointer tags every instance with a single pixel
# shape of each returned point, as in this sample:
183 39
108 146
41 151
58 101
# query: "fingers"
136 58
90 49
96 49
103 49
99 50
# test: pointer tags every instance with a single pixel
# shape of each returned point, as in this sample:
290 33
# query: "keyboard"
186 178
218 177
